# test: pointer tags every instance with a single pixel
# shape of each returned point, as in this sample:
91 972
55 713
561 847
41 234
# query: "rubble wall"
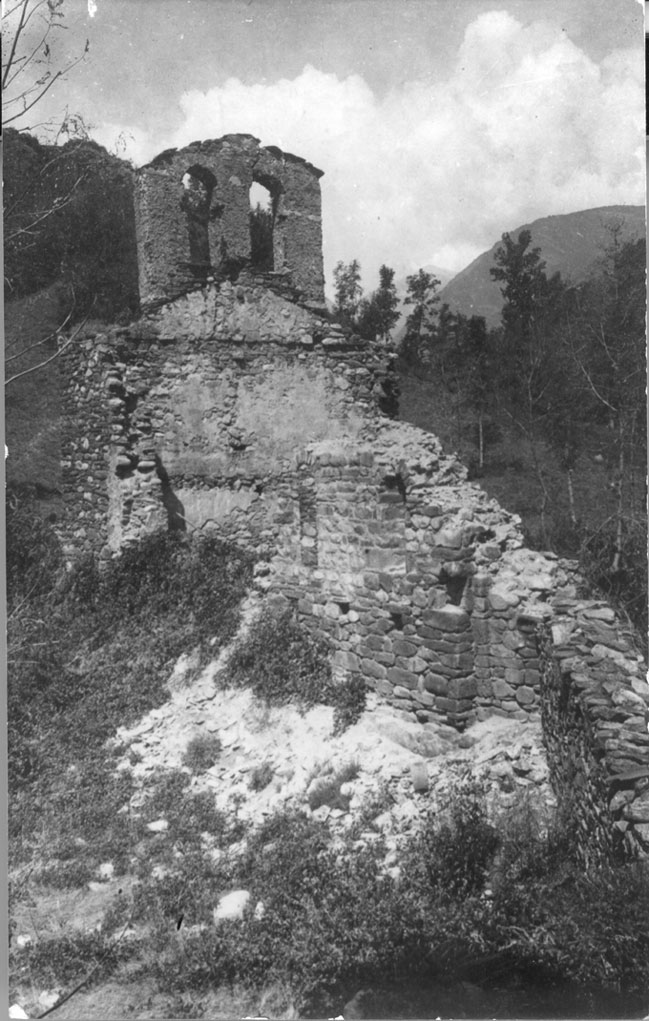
192 417
388 550
595 711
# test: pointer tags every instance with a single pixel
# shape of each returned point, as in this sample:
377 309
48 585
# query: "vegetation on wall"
285 663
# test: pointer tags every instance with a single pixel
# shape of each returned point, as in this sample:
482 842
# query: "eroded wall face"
185 237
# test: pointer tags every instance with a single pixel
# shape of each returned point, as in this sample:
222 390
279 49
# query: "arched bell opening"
265 197
198 189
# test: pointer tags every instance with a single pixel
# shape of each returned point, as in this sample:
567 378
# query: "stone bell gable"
192 210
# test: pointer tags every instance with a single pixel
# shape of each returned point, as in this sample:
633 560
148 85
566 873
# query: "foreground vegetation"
477 906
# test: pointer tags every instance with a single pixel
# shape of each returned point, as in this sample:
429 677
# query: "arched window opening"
198 187
262 220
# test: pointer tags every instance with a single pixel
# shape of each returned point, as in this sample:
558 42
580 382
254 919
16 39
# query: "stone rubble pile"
400 771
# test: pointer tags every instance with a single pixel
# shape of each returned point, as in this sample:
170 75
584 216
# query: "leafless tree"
28 71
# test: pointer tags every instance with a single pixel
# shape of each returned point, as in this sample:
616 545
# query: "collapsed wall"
233 407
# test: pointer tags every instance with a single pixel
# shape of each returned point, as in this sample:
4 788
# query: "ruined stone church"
235 403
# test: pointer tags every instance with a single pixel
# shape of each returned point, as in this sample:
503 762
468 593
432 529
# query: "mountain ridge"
570 243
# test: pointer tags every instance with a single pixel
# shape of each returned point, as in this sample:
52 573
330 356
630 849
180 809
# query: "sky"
438 124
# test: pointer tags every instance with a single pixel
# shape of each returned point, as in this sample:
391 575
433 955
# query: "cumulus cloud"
525 125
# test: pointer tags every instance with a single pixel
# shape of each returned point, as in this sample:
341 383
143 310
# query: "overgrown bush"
328 790
349 703
456 849
261 776
283 662
202 752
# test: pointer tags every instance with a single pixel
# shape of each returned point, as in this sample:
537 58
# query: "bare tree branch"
39 343
57 205
18 64
33 368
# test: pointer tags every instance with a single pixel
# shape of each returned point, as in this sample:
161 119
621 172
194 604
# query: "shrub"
202 753
33 554
455 849
261 776
67 874
349 703
282 661
327 791
189 813
374 804
554 917
63 959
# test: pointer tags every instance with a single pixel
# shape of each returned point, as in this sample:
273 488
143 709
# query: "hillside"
570 244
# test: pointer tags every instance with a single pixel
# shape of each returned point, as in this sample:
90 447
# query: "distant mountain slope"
570 243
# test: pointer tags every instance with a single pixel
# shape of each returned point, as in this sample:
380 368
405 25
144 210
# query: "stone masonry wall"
419 579
225 169
192 417
595 712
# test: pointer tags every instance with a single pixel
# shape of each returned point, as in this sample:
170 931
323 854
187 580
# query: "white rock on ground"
231 905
